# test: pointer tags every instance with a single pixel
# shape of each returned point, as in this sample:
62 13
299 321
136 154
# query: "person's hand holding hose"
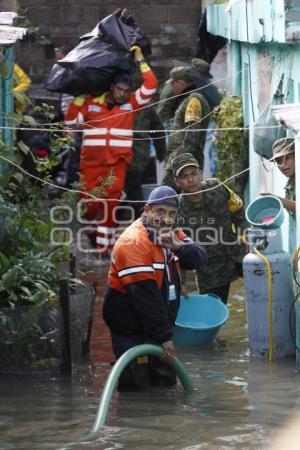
169 352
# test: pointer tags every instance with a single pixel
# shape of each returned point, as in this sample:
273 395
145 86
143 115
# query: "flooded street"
238 404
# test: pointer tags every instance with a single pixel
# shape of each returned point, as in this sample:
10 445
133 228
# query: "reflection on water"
238 404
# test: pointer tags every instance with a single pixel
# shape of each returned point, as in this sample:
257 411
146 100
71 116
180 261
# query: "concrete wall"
170 24
266 64
260 66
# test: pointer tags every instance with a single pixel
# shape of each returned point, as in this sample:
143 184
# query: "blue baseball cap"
163 195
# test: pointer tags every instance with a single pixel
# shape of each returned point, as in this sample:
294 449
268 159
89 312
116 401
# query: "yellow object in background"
21 84
235 202
193 112
21 81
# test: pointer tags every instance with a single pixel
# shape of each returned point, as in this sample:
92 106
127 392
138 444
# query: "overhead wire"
172 131
52 124
148 131
87 194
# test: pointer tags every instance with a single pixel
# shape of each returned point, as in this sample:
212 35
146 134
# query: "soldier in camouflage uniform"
146 119
192 113
284 157
168 103
216 218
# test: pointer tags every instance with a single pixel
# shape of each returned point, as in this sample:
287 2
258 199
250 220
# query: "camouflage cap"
182 73
181 161
201 66
282 147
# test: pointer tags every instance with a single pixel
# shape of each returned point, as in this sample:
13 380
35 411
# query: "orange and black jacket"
136 302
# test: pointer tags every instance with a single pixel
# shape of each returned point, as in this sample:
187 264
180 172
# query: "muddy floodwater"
239 401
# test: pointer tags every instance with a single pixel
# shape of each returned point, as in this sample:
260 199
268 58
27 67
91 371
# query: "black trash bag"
63 80
209 90
87 80
208 44
90 66
121 30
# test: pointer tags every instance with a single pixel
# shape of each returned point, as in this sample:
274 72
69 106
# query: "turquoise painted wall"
285 60
281 59
253 21
264 43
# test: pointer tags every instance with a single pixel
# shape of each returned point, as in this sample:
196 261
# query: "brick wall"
171 26
8 5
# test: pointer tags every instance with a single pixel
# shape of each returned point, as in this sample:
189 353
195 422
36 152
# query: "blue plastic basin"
265 212
199 319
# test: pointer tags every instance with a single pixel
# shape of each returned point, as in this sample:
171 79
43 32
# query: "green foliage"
229 143
27 267
22 99
58 141
28 273
28 262
28 335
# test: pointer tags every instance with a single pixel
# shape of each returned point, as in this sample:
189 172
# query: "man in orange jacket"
143 294
106 150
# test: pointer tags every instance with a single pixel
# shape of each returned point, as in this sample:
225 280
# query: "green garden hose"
112 380
119 366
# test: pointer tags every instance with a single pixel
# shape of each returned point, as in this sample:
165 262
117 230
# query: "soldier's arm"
288 204
193 116
236 208
167 105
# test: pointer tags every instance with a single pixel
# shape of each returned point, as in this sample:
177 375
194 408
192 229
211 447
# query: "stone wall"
171 26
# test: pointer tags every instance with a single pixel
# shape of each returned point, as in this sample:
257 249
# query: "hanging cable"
181 130
87 194
51 124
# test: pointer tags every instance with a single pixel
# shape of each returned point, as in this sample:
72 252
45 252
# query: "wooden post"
86 343
64 300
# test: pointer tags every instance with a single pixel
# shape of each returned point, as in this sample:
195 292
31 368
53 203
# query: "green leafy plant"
53 132
29 275
230 144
